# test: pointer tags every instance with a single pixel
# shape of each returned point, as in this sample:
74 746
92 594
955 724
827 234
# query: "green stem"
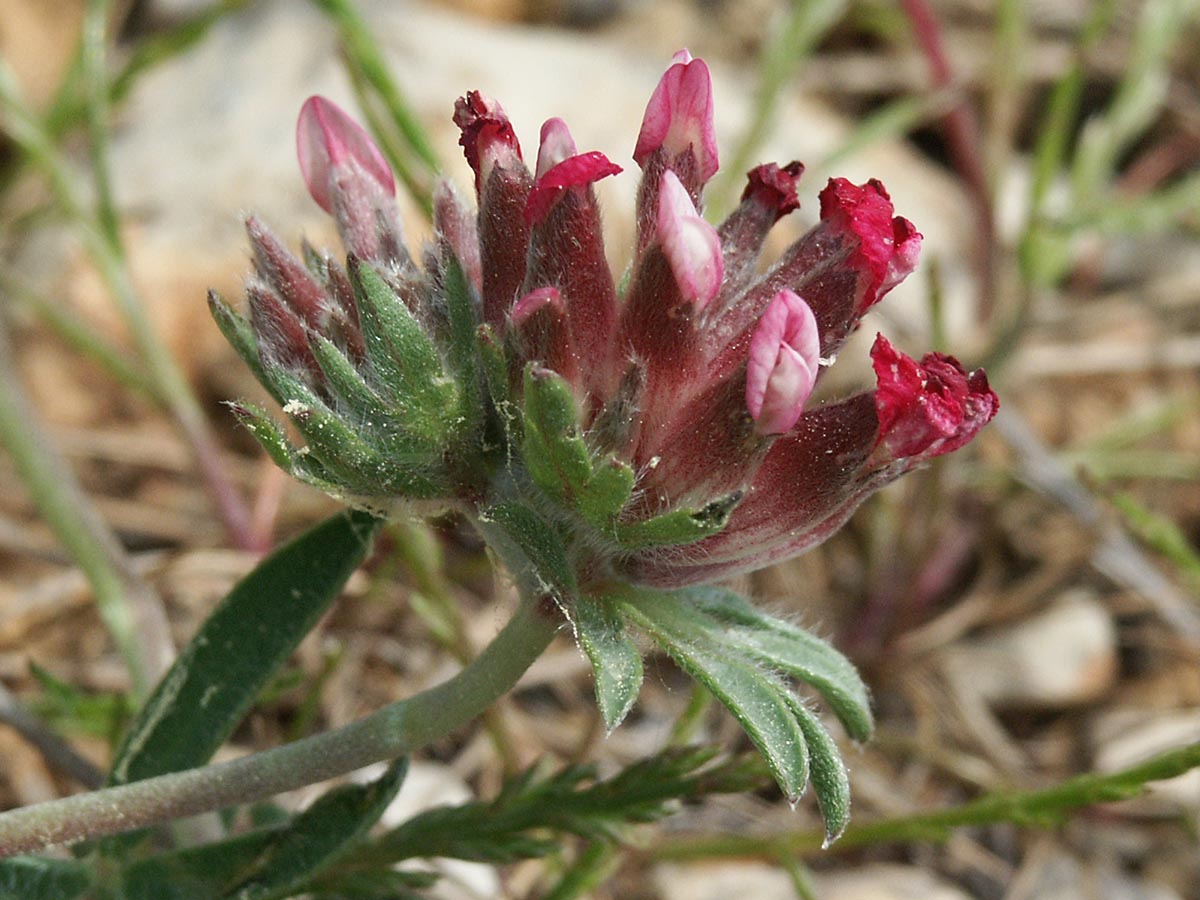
129 607
393 731
1042 808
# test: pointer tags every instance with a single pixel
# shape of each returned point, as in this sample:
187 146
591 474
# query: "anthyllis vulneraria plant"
618 442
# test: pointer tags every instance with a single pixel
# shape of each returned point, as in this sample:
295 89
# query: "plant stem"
388 733
130 608
1029 808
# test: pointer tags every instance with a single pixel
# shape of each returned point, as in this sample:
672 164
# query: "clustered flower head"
661 422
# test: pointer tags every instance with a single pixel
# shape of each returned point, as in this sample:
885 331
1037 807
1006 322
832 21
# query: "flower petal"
928 408
326 139
782 368
691 245
679 116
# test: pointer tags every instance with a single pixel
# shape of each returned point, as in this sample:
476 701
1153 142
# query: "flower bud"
327 141
691 245
679 121
784 358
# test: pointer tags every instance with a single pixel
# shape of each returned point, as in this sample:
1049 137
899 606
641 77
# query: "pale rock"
1061 657
209 135
723 881
883 881
1123 738
1063 877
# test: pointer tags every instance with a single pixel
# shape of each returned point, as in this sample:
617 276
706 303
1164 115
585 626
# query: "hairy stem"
1037 808
390 732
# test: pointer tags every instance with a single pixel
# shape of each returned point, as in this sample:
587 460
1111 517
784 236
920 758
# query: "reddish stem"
961 130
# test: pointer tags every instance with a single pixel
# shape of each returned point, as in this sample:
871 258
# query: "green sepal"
554 452
352 463
616 660
495 375
400 353
239 333
789 649
411 435
267 432
679 526
463 351
605 493
316 837
756 697
558 458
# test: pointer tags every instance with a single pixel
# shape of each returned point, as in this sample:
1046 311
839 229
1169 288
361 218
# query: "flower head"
668 424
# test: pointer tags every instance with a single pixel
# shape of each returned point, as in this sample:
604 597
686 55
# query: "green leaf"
756 697
792 650
827 772
239 649
679 526
194 873
318 836
616 660
34 878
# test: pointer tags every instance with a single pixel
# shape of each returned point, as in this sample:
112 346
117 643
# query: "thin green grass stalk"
35 143
1161 535
806 23
890 121
366 65
1037 809
93 73
128 606
391 732
81 337
1140 95
418 187
1007 78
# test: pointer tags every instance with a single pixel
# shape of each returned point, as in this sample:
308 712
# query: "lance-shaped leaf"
316 837
616 660
34 878
240 648
195 873
755 696
827 772
790 649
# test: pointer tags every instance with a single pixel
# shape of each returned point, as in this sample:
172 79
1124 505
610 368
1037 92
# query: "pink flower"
688 387
679 120
785 352
690 244
328 140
